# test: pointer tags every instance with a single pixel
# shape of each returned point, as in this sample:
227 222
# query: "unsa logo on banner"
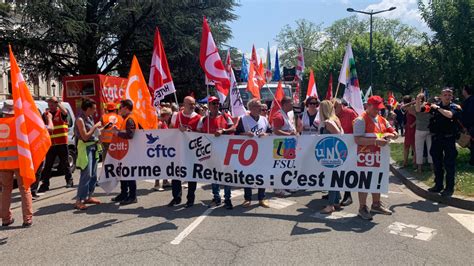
331 152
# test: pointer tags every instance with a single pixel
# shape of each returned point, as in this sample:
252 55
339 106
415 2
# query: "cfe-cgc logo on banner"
368 156
202 147
284 152
331 152
118 148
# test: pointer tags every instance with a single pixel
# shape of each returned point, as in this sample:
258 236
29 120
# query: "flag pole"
279 106
337 89
208 106
177 115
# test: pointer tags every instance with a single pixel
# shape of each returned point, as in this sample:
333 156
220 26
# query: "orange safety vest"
124 123
116 120
8 147
371 129
60 129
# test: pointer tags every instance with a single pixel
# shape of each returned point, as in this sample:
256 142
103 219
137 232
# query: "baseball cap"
8 107
376 101
212 99
111 106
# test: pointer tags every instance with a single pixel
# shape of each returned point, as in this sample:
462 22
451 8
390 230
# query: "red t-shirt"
347 116
215 123
278 121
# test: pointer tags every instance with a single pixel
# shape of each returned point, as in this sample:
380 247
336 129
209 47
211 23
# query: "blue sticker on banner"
331 152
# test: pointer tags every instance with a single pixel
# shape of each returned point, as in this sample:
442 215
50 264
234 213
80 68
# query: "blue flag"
276 71
244 73
425 92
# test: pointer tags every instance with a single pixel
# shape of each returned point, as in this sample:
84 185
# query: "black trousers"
128 189
444 153
177 190
62 152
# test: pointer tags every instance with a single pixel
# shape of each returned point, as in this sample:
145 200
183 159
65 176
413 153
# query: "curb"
421 190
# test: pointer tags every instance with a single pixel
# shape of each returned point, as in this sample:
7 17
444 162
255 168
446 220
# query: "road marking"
279 203
199 220
339 216
412 231
466 220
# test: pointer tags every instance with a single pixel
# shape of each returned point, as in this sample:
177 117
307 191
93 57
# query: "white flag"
348 77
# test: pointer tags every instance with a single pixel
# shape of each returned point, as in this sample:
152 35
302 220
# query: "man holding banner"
185 120
372 131
252 125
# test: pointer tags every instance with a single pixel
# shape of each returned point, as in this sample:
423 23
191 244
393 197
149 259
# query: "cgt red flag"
160 82
329 91
211 61
279 94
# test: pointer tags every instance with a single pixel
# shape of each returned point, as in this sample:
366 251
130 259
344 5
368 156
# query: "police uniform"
443 148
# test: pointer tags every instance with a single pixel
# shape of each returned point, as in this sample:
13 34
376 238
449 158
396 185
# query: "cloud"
407 12
262 53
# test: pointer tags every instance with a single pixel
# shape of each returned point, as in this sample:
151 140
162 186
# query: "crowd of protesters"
430 127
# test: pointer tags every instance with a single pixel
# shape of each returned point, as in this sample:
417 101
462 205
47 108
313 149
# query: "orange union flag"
33 140
137 91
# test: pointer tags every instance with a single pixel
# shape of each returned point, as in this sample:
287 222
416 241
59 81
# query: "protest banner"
326 162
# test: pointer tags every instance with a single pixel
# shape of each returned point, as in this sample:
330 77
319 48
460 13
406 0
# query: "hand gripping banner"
326 162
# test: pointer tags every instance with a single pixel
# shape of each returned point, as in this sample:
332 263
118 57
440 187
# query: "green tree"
453 24
71 37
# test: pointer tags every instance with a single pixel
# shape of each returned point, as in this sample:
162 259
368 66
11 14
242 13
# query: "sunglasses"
264 110
214 103
312 103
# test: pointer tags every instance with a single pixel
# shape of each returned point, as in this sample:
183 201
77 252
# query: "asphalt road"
291 232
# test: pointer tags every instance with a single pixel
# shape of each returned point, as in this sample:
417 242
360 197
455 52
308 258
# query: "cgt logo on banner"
201 147
331 152
284 151
368 156
118 148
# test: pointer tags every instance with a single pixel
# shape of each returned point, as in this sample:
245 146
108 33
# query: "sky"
260 21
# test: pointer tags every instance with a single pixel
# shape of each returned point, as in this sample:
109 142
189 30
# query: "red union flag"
32 137
211 61
160 82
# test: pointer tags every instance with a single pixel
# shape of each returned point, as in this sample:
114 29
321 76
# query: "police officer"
444 130
59 142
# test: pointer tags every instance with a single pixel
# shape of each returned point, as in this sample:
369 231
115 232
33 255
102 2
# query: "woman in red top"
409 109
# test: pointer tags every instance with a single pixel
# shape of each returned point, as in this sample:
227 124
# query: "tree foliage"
71 37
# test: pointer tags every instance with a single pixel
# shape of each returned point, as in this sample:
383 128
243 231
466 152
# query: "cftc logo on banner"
331 152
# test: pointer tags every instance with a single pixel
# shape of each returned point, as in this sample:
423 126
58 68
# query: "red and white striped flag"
300 65
312 90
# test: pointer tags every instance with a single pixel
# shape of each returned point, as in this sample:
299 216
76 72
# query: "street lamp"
371 13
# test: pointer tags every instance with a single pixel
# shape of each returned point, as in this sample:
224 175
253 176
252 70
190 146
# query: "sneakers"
189 204
69 183
34 195
9 223
264 203
435 189
381 209
446 193
43 189
228 204
215 203
128 201
246 203
364 213
92 201
174 202
281 193
119 198
347 202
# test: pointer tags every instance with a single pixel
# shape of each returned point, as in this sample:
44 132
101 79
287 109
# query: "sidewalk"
421 190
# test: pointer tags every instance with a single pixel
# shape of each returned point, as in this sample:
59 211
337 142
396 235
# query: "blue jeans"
334 197
216 190
88 178
248 193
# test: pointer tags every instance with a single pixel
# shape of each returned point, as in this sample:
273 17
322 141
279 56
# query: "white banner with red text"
324 162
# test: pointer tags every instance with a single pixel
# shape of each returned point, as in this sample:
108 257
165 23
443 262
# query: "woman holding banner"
330 124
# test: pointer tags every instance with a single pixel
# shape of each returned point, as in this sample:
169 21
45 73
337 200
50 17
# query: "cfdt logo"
368 156
118 148
284 153
202 147
331 152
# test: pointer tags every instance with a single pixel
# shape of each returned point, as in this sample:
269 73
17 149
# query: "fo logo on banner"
118 148
368 156
284 148
331 152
